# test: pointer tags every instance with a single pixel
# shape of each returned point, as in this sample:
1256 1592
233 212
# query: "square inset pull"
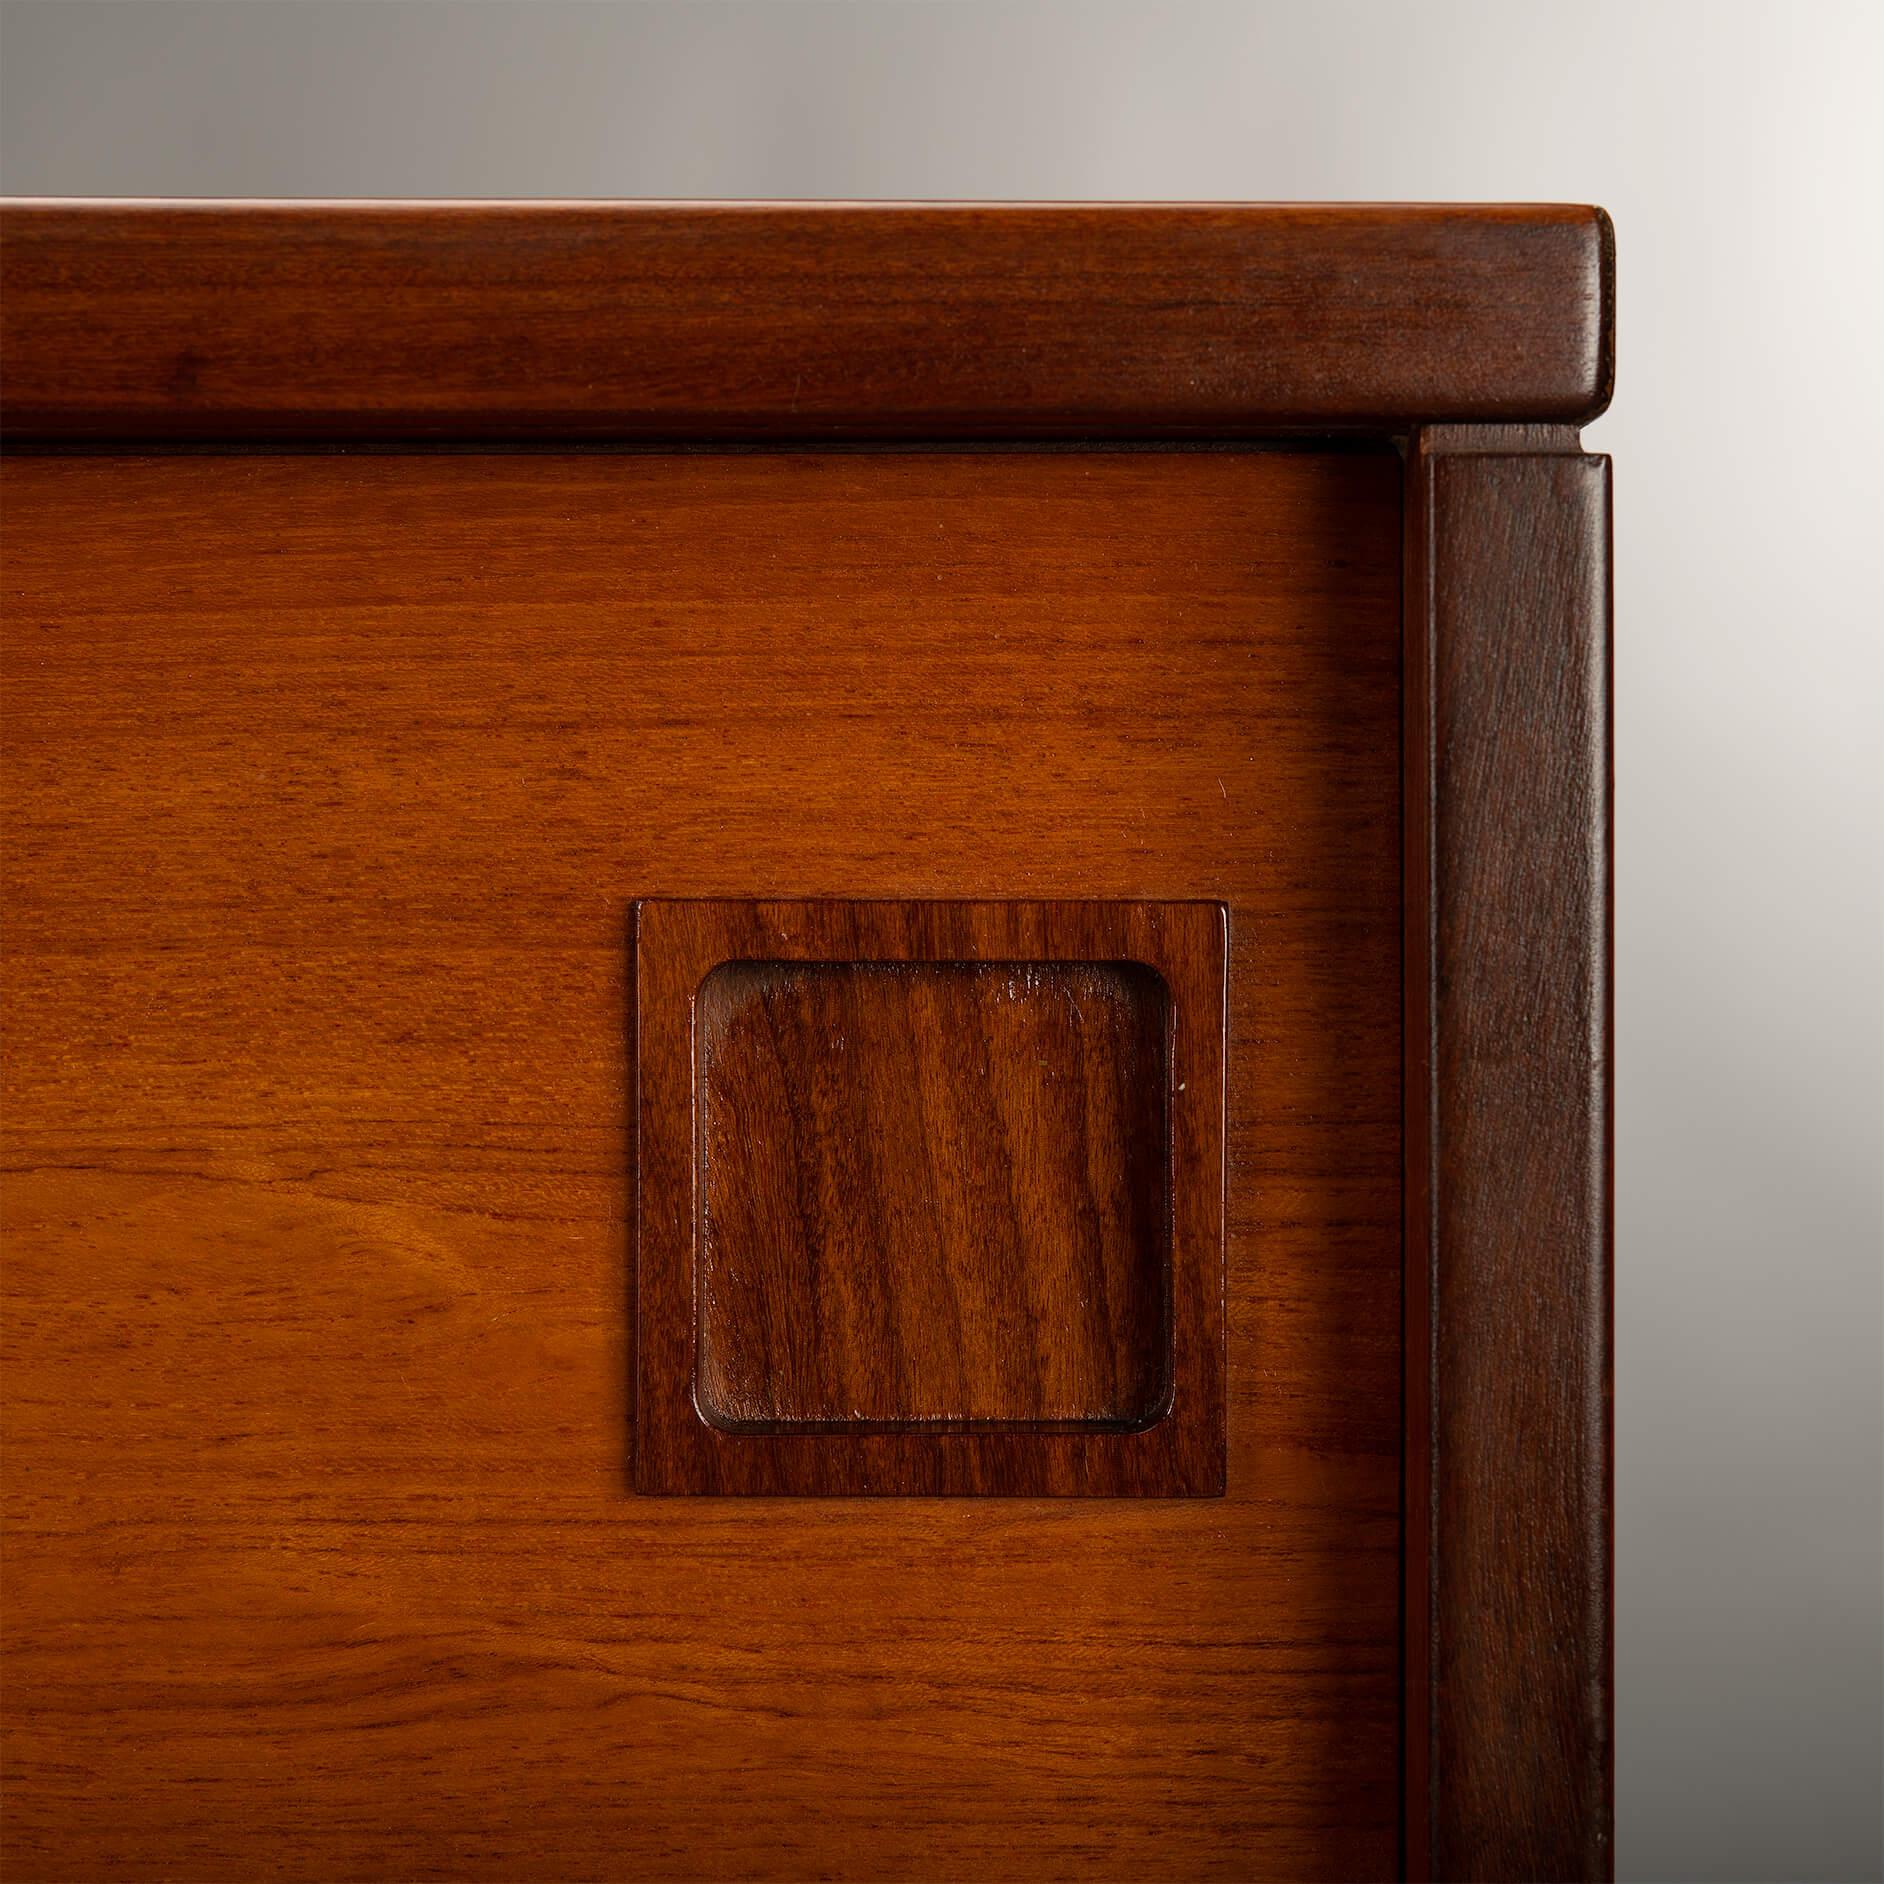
932 1192
931 1198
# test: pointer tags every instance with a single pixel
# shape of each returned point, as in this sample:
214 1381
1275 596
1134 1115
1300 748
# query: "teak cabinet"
807 1033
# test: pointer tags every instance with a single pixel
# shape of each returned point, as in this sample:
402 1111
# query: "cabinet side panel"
1508 1159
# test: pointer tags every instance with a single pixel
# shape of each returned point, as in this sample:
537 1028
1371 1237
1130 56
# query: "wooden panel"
1508 1034
672 321
935 1193
838 1136
330 781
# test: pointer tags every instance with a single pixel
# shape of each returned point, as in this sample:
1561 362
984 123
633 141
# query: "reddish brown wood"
1508 1133
662 321
934 1194
327 784
329 781
931 1228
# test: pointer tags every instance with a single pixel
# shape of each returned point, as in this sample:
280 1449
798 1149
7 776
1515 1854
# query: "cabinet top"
160 322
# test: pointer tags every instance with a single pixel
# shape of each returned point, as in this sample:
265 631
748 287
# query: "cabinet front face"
705 1163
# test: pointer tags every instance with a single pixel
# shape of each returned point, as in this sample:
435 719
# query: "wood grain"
972 1116
329 783
1508 1121
934 1193
751 321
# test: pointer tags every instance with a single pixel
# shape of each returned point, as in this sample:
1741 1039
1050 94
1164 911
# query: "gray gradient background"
1738 149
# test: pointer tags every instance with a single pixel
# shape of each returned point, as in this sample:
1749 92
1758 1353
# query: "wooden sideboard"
807 1037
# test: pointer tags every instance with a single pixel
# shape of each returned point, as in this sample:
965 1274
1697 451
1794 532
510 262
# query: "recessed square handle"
931 1197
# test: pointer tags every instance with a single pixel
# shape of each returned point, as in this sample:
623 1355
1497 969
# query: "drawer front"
544 985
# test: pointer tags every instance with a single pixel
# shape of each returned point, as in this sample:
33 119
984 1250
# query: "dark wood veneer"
794 321
1016 1303
933 1194
1508 1133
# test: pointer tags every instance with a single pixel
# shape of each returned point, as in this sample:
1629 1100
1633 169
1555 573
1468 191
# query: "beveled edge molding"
265 322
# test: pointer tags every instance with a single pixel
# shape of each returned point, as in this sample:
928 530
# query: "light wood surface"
329 783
